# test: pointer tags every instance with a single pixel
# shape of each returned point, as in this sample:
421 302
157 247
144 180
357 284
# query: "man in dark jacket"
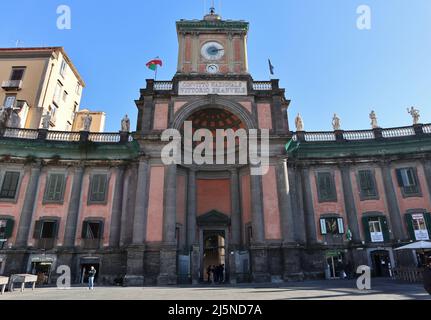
91 275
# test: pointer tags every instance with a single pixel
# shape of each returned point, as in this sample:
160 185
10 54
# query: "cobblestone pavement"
310 290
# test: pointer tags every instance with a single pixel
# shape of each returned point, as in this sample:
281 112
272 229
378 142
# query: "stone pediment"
213 218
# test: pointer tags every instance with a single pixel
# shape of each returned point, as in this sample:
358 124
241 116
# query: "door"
85 268
214 251
381 263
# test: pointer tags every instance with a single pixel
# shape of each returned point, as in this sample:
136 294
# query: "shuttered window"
419 226
331 226
92 230
98 188
367 184
326 187
408 181
6 228
54 191
376 229
9 185
45 229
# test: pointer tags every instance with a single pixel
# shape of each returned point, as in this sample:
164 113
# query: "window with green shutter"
326 187
418 226
6 228
367 184
408 181
46 229
54 191
10 185
98 188
92 230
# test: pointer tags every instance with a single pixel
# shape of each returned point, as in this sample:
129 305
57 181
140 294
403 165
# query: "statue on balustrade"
373 118
4 115
14 120
299 123
46 119
415 113
87 122
336 123
125 124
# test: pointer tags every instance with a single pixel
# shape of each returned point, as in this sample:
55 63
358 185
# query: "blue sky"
325 63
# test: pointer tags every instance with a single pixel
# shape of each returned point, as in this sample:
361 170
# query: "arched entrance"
214 255
214 244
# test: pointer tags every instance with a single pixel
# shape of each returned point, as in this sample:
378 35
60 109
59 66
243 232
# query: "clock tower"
212 46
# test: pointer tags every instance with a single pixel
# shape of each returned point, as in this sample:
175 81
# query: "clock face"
212 68
212 51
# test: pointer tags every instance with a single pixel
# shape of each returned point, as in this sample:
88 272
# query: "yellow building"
35 81
97 120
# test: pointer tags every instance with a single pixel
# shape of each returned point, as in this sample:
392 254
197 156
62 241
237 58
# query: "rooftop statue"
299 123
336 122
415 113
373 118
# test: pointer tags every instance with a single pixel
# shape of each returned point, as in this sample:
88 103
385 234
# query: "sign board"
202 88
421 232
377 237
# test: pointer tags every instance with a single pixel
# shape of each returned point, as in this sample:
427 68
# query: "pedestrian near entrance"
91 275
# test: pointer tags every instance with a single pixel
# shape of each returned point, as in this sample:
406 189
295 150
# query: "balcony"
9 85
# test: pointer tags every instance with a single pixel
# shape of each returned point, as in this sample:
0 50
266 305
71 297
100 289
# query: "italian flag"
154 63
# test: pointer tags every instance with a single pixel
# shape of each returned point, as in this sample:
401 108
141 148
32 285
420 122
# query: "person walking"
209 271
91 275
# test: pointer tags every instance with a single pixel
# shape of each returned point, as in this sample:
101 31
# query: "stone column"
135 252
191 208
140 218
349 203
28 206
73 210
285 202
259 254
427 168
297 205
310 221
392 202
236 209
117 206
195 52
258 228
230 53
168 252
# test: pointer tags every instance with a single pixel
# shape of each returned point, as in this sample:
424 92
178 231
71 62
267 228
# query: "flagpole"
155 73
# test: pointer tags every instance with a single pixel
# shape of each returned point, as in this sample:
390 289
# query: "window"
63 68
46 229
78 89
331 226
419 226
9 101
54 191
326 187
57 92
6 228
367 184
92 230
408 181
98 188
17 73
9 185
65 95
376 229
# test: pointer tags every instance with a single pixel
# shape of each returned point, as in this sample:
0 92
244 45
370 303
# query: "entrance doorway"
335 267
85 268
381 263
42 270
214 255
